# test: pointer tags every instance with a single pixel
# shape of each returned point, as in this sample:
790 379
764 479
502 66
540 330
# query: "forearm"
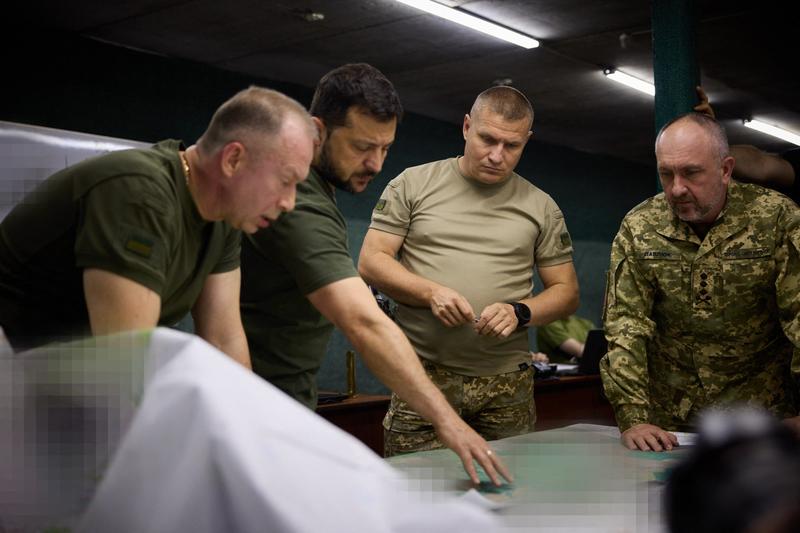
754 165
217 318
624 370
628 327
389 356
115 303
393 279
232 343
622 382
572 347
555 302
351 307
786 283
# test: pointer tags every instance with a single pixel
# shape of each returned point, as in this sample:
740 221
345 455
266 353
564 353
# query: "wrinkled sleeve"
628 326
393 211
787 282
554 245
229 260
311 244
126 228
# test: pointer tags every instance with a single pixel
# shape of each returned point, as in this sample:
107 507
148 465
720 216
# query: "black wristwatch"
522 312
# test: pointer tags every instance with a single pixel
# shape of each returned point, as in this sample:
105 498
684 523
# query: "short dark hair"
355 84
506 101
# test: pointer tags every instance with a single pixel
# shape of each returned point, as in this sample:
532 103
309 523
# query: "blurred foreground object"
147 432
743 476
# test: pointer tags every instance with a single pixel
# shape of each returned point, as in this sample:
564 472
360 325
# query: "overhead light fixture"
775 131
649 88
630 81
478 24
309 15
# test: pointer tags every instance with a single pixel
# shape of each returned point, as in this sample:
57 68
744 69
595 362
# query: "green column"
675 68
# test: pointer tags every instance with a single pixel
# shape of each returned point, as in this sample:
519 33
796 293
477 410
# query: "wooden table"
361 416
560 402
566 400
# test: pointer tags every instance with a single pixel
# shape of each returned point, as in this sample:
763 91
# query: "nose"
678 187
496 154
286 202
374 160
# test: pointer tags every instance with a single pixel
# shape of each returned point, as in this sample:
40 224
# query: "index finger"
486 315
464 309
492 465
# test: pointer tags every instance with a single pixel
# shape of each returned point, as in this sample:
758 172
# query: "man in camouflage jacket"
703 294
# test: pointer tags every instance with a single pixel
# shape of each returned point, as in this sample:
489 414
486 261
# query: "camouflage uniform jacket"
692 323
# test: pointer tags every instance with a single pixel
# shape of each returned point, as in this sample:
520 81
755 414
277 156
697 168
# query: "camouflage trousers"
494 406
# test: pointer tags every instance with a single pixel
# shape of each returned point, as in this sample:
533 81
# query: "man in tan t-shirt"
454 242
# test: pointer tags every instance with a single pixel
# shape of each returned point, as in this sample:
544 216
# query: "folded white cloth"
215 448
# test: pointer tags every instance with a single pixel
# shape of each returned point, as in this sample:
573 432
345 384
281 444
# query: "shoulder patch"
566 240
140 246
381 205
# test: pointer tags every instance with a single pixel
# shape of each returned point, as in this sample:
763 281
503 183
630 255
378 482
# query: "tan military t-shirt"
480 240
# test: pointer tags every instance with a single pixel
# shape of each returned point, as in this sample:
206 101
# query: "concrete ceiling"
745 51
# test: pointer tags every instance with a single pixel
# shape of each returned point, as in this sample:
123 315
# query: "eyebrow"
683 168
490 137
372 143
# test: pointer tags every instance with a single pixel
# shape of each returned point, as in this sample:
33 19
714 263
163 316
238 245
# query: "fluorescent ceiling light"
649 88
483 26
775 131
630 81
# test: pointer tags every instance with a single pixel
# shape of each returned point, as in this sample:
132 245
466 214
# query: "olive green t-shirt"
127 212
304 250
550 336
481 241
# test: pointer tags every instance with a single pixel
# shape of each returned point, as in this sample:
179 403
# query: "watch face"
523 313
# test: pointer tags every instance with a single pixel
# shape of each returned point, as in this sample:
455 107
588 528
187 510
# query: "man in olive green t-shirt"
137 238
454 242
563 340
298 277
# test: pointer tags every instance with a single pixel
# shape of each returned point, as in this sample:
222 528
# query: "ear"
727 169
465 127
322 132
527 138
232 158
